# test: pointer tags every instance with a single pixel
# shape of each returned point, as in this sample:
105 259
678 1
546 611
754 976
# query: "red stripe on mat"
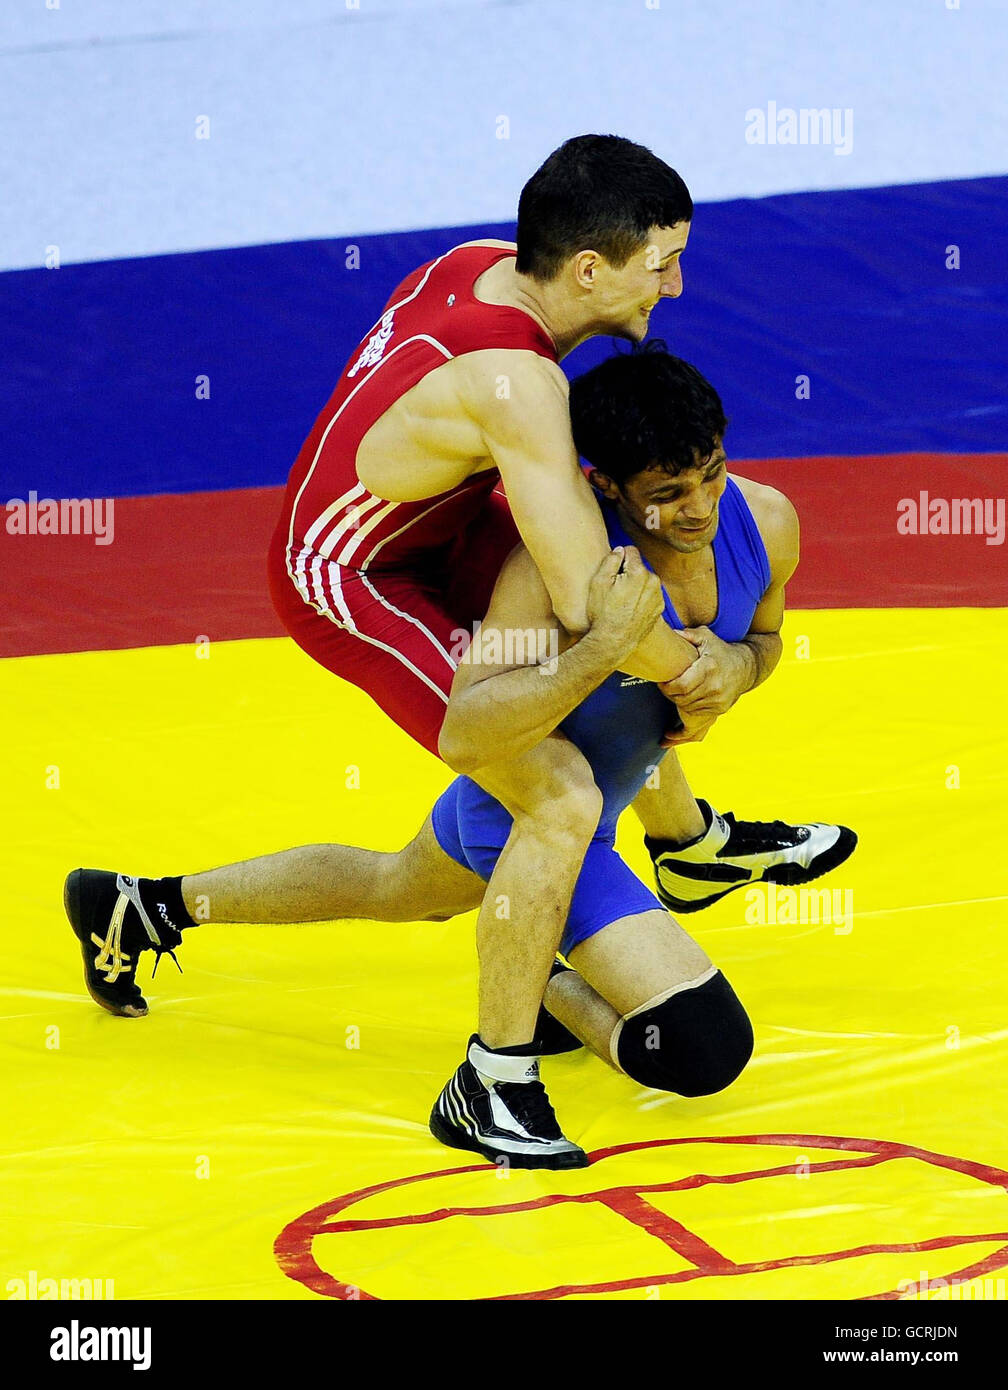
178 567
852 554
190 565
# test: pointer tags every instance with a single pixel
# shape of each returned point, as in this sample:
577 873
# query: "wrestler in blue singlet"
618 728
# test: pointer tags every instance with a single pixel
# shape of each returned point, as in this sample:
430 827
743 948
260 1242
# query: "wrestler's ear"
601 482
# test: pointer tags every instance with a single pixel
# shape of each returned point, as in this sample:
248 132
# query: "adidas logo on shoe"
495 1105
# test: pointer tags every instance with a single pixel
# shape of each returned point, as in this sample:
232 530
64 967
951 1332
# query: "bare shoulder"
529 369
488 241
767 504
777 520
515 384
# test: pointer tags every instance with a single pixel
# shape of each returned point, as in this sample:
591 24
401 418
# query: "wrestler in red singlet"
380 592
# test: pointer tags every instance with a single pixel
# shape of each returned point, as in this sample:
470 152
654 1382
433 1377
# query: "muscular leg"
322 883
619 969
555 805
669 811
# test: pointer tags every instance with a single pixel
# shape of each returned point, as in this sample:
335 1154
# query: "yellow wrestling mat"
262 1133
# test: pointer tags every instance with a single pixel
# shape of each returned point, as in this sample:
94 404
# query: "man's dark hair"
600 193
645 409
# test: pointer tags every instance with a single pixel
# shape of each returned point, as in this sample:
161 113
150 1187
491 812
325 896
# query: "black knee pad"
694 1041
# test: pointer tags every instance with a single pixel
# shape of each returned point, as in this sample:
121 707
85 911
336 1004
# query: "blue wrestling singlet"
618 728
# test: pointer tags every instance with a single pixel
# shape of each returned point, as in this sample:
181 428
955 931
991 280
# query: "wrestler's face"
623 296
678 509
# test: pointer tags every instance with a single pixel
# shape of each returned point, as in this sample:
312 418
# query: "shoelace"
750 836
529 1104
160 951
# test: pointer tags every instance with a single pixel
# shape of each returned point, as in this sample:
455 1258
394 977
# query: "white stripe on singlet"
321 521
347 622
386 603
412 522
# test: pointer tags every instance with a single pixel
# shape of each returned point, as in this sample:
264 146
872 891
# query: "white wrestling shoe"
732 853
495 1105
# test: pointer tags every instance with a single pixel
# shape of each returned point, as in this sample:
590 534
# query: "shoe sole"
786 874
454 1139
72 908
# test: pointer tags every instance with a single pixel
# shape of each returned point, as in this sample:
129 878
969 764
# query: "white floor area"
335 117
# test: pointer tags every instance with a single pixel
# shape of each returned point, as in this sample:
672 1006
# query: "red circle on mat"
294 1245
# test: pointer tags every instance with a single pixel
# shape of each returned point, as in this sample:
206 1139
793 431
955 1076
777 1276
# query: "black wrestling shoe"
113 927
495 1105
732 854
551 1036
